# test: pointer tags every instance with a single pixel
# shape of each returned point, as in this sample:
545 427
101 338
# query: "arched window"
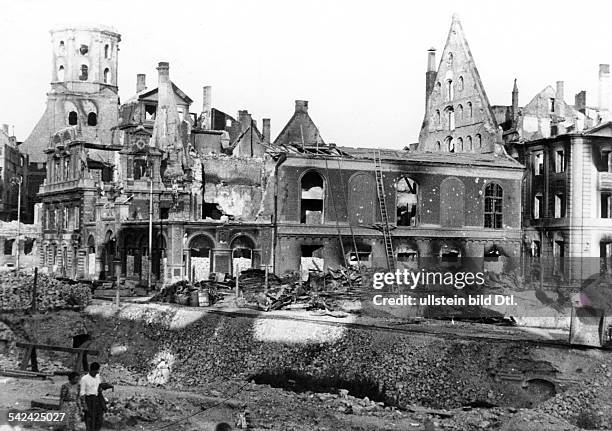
478 142
107 76
106 51
84 49
449 59
470 110
493 206
242 254
62 48
450 118
438 117
406 193
452 203
460 144
84 73
449 144
449 90
460 84
459 116
438 87
92 119
200 257
312 198
438 146
72 118
469 144
362 199
60 73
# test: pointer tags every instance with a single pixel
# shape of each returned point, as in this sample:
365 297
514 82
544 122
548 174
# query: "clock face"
140 144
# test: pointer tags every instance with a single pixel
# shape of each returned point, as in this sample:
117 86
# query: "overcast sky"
360 64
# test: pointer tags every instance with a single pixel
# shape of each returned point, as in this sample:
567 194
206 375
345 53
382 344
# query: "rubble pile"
139 408
586 405
16 293
379 365
311 290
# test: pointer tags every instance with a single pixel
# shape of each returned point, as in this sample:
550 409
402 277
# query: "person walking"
92 400
70 403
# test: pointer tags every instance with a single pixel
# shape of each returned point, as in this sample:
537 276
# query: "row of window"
84 50
312 201
459 145
538 206
538 162
65 218
449 88
451 118
84 75
73 118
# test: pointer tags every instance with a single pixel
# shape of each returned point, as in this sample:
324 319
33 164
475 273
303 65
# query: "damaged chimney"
206 106
604 87
163 70
266 130
580 102
244 118
430 74
559 93
301 106
141 82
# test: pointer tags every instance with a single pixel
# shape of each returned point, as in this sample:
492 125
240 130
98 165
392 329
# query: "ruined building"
83 94
151 193
566 193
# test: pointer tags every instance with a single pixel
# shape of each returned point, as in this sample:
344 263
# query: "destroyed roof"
152 92
300 130
464 159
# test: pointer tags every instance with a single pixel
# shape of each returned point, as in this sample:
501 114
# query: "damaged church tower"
458 115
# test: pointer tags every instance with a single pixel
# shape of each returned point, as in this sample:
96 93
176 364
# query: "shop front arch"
242 254
91 256
200 258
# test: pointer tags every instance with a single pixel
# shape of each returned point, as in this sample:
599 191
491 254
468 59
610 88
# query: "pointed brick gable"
458 117
300 130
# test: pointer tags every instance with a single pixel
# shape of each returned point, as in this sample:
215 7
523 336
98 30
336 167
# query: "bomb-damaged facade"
208 193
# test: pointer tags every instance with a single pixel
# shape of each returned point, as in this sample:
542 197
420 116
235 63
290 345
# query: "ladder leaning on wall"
380 189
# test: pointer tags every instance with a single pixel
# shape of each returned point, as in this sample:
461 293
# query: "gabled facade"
458 116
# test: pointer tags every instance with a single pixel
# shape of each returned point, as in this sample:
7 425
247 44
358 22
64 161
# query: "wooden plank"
56 348
26 357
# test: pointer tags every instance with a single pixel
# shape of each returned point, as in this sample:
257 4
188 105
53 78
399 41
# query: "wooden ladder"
380 188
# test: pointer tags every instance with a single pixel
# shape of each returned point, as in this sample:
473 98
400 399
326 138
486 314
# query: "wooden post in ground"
237 286
34 288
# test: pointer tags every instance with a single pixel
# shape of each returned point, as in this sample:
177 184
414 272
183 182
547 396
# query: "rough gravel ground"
205 359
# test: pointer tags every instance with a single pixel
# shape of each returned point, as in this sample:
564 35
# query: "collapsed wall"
238 187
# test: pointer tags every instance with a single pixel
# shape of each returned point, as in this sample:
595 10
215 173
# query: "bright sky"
359 63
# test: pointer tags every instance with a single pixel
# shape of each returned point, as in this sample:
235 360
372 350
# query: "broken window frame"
84 75
538 206
312 202
538 163
559 161
413 190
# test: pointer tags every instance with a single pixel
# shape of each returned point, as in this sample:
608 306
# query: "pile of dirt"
17 291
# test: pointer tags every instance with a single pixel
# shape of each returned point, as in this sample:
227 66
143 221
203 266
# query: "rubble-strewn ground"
319 375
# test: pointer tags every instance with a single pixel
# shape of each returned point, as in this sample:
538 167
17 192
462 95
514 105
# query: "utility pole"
18 180
150 226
